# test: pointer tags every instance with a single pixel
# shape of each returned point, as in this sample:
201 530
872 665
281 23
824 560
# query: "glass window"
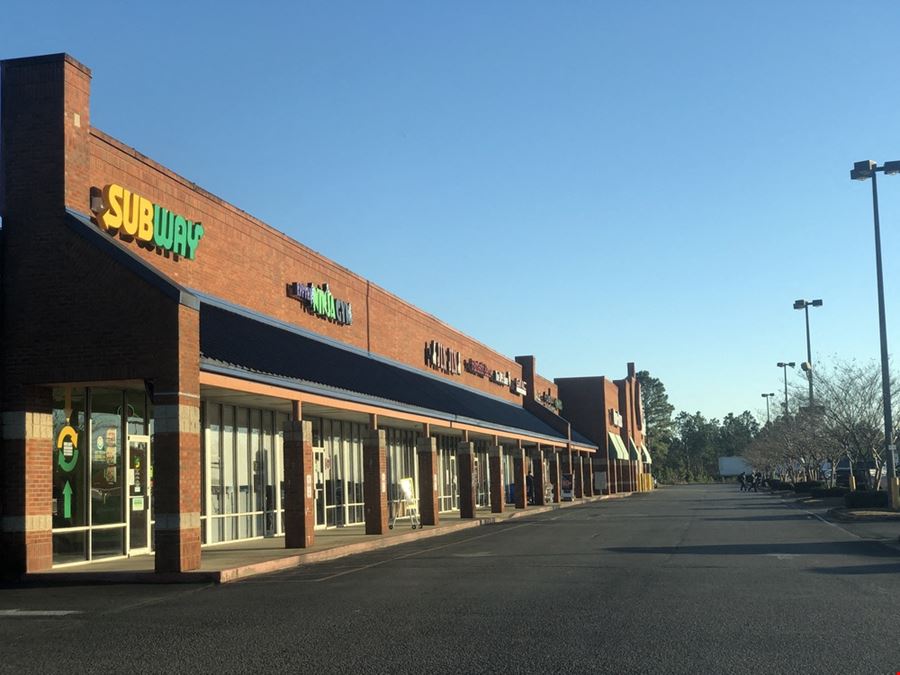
258 465
482 474
71 459
71 467
107 543
267 452
69 547
212 443
281 422
229 478
107 472
242 471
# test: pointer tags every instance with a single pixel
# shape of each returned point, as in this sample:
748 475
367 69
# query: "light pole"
784 366
808 367
862 171
767 397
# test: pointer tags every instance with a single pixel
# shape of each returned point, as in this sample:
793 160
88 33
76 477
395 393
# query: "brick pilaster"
519 469
554 477
26 489
538 478
465 467
578 475
176 494
426 447
299 492
495 466
375 481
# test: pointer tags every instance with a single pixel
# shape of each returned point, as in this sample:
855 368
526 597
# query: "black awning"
234 340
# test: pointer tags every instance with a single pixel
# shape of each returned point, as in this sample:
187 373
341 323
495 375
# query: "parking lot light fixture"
784 365
863 171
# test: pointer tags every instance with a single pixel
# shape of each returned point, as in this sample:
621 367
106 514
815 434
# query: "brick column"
299 491
578 475
465 468
176 493
554 477
426 447
495 462
610 477
537 471
26 489
519 469
375 481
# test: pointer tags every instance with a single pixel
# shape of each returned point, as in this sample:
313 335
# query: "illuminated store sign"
615 418
443 358
154 227
320 301
519 387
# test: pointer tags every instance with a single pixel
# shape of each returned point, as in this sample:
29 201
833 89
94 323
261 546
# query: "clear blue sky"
589 182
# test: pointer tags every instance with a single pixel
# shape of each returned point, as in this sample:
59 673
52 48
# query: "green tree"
696 450
735 434
658 425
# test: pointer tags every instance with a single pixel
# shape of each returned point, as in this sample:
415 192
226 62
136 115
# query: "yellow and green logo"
154 227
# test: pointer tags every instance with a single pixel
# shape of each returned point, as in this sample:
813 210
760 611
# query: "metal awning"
617 447
634 453
646 455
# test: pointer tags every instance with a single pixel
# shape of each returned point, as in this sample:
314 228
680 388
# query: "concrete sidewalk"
231 561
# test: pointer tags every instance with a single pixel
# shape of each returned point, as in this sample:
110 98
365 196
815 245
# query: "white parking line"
25 613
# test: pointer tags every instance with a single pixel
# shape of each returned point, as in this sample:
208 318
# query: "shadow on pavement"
890 568
788 516
813 548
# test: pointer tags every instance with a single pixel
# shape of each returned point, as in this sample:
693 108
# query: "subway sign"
154 227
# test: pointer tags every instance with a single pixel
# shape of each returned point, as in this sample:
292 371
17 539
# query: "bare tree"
851 411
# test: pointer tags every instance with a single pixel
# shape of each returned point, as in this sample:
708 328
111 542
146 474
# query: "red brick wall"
245 261
71 312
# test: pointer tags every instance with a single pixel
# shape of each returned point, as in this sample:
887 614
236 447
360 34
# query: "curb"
841 515
240 572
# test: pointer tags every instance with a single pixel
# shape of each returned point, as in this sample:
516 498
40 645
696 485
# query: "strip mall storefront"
178 374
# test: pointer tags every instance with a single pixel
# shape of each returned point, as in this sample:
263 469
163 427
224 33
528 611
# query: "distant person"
529 487
742 479
754 482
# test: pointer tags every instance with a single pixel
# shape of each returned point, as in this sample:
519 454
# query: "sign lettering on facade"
478 368
154 227
319 301
550 401
519 387
443 358
500 378
615 418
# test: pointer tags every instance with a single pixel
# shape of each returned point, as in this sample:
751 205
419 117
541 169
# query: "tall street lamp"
862 171
808 367
767 397
784 366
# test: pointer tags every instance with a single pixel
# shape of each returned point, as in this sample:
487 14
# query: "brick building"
177 374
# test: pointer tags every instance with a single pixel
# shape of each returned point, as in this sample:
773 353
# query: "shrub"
776 484
807 485
861 499
824 493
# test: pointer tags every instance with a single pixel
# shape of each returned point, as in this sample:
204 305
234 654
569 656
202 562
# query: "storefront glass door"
319 479
139 485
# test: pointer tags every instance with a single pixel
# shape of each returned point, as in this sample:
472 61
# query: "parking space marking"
28 613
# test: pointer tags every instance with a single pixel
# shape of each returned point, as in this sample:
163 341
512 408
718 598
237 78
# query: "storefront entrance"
329 488
139 504
102 474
